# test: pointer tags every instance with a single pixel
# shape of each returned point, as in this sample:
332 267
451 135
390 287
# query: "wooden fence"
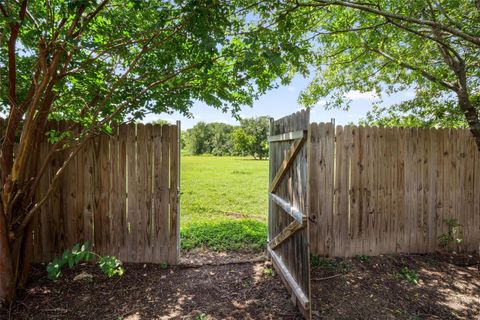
379 190
287 218
120 193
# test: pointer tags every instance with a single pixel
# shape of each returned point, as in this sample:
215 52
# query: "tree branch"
367 8
346 30
28 217
3 11
426 36
424 73
15 113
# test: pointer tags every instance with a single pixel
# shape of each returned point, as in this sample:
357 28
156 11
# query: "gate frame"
300 139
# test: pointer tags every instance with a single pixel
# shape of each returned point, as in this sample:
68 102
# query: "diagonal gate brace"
285 234
287 163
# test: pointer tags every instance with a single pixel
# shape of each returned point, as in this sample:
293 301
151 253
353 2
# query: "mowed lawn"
223 203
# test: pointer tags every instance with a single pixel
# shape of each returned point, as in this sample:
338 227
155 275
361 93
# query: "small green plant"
328 264
314 261
268 272
109 265
164 265
362 258
410 275
453 236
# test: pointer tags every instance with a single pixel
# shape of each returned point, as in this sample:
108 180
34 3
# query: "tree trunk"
16 245
470 110
7 276
15 258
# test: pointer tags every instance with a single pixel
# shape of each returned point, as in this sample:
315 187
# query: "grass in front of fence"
223 203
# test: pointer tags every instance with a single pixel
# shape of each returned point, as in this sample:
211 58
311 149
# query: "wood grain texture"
285 234
393 189
120 193
289 182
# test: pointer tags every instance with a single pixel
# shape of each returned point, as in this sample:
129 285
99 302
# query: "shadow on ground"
234 291
374 288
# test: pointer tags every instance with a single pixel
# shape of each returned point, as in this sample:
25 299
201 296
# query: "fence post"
270 177
179 146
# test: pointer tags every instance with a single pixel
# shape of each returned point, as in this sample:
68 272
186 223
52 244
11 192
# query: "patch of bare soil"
246 290
374 288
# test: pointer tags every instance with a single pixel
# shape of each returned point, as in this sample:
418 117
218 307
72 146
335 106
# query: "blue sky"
281 102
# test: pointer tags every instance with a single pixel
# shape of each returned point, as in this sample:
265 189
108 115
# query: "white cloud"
357 95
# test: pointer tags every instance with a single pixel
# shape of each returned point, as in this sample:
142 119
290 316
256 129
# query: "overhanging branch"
406 65
368 8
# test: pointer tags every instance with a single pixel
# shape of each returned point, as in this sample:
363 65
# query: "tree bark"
15 258
22 256
471 114
7 276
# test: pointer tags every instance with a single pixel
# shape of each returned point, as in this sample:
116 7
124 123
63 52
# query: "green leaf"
111 266
71 261
76 248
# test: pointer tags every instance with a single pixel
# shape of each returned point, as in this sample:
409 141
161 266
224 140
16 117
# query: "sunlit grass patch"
223 203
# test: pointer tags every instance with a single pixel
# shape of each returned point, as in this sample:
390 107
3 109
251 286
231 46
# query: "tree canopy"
251 137
211 138
390 46
423 110
220 139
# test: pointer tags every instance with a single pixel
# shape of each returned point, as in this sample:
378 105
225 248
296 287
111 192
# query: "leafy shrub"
109 265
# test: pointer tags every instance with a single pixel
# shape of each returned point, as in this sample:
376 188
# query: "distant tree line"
220 139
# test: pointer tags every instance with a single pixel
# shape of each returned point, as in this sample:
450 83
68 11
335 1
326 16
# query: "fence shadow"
374 288
243 291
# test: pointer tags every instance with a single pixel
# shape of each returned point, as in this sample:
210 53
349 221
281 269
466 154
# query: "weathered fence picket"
288 232
386 190
120 193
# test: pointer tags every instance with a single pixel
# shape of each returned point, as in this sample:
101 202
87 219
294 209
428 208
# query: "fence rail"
387 190
120 193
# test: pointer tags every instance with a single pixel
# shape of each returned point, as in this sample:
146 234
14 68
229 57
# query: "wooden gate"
288 244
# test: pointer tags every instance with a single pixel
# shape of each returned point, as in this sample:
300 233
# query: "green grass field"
223 203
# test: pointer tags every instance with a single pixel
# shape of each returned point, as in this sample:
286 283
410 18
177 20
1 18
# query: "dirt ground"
374 288
246 290
243 286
